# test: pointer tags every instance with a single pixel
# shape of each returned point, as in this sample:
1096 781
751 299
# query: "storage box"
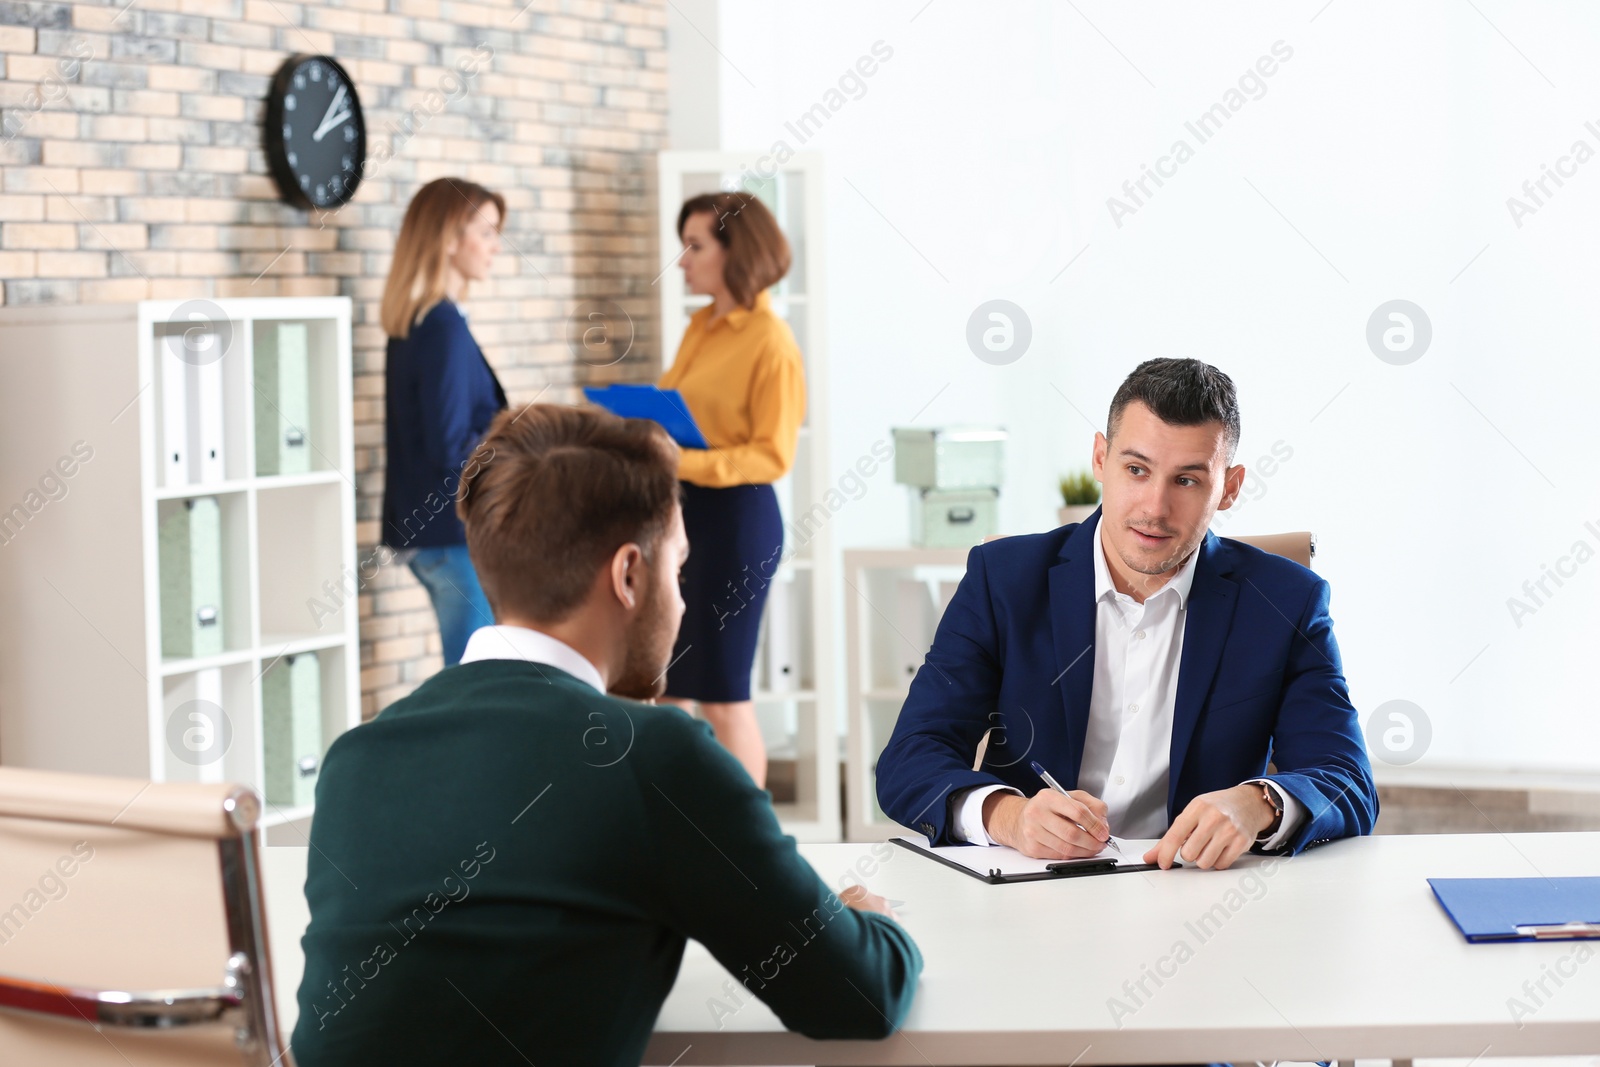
190 550
283 399
949 458
291 727
954 518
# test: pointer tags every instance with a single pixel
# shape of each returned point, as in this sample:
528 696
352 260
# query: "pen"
1111 842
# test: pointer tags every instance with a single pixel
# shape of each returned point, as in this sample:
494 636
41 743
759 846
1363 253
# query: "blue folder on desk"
1521 909
665 406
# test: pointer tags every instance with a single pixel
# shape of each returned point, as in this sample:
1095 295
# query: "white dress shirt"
519 642
1127 747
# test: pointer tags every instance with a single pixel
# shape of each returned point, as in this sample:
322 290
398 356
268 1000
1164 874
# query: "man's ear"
1232 484
627 579
1101 447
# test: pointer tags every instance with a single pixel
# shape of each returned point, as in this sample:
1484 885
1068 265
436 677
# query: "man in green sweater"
505 864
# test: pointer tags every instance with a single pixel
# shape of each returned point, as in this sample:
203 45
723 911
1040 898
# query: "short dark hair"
1180 392
757 253
550 495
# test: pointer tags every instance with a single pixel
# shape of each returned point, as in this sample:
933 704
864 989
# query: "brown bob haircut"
757 254
552 493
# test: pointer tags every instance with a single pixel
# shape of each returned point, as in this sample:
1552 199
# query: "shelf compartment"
296 402
306 594
201 392
208 725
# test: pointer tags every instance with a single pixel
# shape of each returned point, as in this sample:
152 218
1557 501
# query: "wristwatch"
1271 797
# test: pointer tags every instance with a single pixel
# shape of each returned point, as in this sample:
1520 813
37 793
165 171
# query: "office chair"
131 924
1300 545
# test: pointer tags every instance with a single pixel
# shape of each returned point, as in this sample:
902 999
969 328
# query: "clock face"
315 136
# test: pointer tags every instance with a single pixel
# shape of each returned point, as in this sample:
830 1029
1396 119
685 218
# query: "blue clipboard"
1521 909
665 406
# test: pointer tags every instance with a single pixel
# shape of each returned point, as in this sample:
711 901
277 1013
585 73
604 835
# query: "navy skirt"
735 545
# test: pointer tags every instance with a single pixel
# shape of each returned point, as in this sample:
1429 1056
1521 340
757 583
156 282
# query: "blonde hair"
418 271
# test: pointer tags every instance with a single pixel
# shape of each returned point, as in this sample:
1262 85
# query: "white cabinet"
89 421
797 714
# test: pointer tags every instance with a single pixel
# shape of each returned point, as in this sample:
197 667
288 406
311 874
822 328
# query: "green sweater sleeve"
738 885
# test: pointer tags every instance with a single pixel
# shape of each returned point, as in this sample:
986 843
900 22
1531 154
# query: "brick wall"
131 168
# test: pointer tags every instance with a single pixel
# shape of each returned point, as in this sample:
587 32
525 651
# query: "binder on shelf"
1521 909
174 441
914 621
205 408
283 399
291 729
190 552
783 664
208 687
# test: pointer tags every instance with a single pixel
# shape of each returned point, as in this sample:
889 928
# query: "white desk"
1337 954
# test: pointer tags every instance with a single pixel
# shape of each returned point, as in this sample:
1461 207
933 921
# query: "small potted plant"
1080 495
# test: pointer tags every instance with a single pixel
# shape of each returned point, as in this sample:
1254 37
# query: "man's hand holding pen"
1048 825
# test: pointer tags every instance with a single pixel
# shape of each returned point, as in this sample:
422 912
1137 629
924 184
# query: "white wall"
1376 164
694 85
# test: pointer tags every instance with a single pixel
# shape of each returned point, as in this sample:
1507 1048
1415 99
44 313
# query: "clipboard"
664 406
1521 909
1013 866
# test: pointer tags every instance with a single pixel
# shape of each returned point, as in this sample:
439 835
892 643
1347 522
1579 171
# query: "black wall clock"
315 137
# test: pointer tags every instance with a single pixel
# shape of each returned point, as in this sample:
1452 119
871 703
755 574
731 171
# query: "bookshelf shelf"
170 667
188 492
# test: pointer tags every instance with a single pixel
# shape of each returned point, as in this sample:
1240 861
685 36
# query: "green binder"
291 724
283 399
190 541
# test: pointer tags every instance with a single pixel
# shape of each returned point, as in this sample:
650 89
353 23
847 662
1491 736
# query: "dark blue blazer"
440 397
1259 679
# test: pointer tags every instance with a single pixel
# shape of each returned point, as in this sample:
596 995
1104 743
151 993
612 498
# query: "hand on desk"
1048 825
863 899
1215 829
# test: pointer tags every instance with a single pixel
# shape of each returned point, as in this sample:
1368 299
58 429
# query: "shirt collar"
519 642
1179 583
739 315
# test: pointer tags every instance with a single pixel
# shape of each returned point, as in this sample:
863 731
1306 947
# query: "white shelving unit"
894 598
792 686
83 683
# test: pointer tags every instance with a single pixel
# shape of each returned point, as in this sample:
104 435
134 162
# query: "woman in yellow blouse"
740 373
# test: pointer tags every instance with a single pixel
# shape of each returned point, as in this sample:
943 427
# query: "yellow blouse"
745 385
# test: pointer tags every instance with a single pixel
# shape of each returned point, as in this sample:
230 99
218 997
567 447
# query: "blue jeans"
446 573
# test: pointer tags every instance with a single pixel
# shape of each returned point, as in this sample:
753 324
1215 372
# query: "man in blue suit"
1153 668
